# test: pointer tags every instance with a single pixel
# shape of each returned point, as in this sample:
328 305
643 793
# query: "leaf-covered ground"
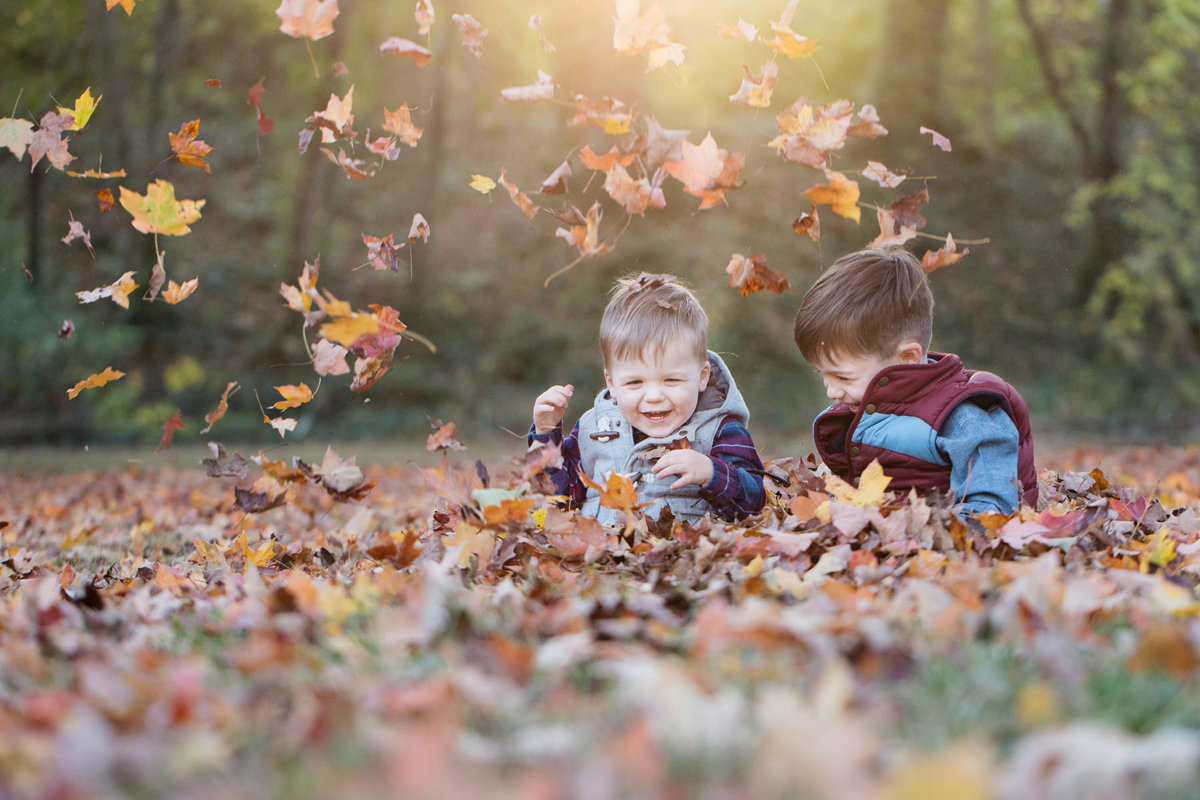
304 631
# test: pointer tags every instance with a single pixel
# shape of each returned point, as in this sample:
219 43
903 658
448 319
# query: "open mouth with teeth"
656 416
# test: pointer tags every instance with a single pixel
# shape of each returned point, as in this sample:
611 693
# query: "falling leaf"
443 438
604 113
424 16
868 126
419 229
750 275
66 329
48 140
635 195
355 169
187 148
743 30
472 32
75 230
938 139
891 230
841 192
95 381
16 134
222 406
107 201
400 123
535 24
586 236
336 120
534 92
605 162
175 423
407 49
707 171
756 90
311 19
787 41
97 173
283 425
382 252
178 292
125 4
808 224
519 198
158 276
882 175
118 291
216 82
482 183
158 211
556 182
383 146
906 211
637 32
293 396
254 98
81 114
943 257
329 358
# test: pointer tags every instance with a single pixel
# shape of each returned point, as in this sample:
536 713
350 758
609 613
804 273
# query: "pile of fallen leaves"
301 630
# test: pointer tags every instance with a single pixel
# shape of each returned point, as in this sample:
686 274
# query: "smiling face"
657 395
847 377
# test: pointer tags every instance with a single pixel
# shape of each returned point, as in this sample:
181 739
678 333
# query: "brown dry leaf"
187 148
407 49
808 224
750 275
400 123
443 438
419 229
472 32
175 423
943 257
556 181
586 237
756 90
519 198
222 406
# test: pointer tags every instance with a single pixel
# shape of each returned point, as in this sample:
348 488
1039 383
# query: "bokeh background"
1076 133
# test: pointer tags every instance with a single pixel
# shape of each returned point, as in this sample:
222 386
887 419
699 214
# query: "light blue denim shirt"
981 446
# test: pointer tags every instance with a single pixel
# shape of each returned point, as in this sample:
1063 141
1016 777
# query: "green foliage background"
1087 297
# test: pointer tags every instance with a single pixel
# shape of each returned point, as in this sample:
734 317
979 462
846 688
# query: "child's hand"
690 466
550 406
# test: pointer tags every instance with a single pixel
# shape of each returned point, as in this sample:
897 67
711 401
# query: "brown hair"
867 303
648 313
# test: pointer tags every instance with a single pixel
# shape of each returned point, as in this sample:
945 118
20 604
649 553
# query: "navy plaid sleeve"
736 488
566 478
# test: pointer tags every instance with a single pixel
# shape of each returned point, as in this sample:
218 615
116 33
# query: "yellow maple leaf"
178 292
85 106
346 330
94 381
261 555
841 193
293 396
125 4
482 183
871 489
158 211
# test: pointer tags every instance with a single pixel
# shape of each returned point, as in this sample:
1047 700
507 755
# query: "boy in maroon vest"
865 325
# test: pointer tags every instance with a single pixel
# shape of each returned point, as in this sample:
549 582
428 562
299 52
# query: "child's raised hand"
691 467
550 406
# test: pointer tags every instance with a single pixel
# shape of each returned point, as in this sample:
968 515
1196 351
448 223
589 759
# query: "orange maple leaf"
603 113
407 49
175 423
158 211
509 512
212 417
944 257
178 292
605 162
125 4
751 275
107 201
400 123
586 236
94 381
188 149
293 396
756 90
443 438
707 171
635 196
355 168
787 41
841 192
335 121
311 19
520 198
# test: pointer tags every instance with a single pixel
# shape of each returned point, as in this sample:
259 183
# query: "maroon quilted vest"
929 392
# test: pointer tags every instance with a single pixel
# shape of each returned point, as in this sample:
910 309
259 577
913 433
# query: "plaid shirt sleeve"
566 478
736 488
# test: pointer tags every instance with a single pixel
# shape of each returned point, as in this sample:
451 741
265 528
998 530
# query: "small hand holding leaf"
550 406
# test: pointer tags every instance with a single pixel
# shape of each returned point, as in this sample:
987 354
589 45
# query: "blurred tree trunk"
985 76
1100 141
909 81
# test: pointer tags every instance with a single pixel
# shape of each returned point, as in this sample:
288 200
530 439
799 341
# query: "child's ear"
705 373
911 352
608 379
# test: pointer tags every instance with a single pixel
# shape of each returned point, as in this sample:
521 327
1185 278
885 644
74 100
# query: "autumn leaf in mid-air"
75 230
329 358
756 90
293 396
635 32
419 229
336 121
472 32
585 235
443 438
48 140
743 30
407 49
125 4
481 183
535 24
808 224
355 168
938 139
187 148
400 123
750 275
381 252
556 181
707 171
521 199
119 291
81 114
178 292
841 193
424 16
95 381
943 257
16 134
254 98
222 406
605 162
531 93
882 175
635 195
787 41
175 423
608 113
311 19
158 211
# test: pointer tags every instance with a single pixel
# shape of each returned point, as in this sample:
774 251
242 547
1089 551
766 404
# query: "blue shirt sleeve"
981 445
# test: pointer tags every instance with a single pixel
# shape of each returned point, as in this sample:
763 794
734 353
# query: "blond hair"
867 303
647 314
